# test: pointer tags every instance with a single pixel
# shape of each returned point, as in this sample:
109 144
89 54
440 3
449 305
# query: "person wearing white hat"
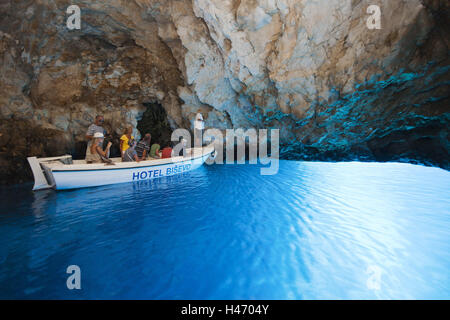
97 154
97 126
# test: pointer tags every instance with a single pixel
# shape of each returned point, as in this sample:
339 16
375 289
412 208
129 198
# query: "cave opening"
154 121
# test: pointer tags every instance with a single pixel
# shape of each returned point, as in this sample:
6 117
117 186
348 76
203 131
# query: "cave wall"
311 68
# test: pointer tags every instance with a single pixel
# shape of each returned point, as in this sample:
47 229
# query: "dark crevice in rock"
154 121
423 145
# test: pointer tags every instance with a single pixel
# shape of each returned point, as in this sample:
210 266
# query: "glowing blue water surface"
314 230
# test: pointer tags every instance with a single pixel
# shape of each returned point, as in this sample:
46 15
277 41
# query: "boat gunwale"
129 168
129 165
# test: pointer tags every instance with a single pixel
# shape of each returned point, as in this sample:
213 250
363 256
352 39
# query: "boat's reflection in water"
50 201
162 183
40 200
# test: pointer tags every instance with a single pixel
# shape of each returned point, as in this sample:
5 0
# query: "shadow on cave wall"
154 121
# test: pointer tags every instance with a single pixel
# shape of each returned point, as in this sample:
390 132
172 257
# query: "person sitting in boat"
131 154
154 151
97 153
167 151
143 147
97 126
124 140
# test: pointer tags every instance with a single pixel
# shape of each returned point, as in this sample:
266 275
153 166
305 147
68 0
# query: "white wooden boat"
64 173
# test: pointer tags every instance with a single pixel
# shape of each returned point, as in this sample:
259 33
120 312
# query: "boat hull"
61 173
91 178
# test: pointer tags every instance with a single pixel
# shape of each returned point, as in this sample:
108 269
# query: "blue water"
313 231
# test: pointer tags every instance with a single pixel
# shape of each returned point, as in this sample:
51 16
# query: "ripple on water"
314 230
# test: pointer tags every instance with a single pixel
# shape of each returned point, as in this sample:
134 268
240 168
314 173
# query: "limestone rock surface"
336 89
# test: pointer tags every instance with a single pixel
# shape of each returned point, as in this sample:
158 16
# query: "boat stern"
43 176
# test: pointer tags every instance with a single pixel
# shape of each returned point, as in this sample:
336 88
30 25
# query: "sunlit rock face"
336 89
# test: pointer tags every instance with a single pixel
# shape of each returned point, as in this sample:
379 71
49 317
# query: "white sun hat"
98 135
